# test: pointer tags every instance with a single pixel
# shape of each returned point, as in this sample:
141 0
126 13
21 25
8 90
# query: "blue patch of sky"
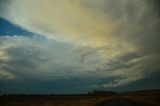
9 29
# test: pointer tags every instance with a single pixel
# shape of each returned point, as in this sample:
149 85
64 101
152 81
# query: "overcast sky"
74 46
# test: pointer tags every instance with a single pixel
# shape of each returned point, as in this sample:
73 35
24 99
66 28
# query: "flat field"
136 98
52 100
149 97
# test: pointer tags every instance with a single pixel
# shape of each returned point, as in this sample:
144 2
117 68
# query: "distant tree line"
101 92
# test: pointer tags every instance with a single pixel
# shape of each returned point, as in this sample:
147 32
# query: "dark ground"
136 98
117 101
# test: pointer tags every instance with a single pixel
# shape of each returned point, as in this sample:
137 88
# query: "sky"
76 46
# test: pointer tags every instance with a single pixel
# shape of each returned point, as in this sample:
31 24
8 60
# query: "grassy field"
149 97
52 100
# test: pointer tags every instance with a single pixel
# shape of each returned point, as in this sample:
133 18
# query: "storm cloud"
86 38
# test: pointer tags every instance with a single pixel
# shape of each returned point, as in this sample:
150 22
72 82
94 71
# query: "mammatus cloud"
109 38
